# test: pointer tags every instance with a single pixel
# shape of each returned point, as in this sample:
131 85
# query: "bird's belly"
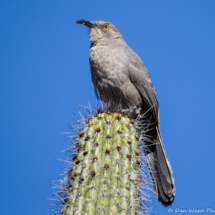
124 95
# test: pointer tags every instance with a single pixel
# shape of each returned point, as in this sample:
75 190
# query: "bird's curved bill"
85 22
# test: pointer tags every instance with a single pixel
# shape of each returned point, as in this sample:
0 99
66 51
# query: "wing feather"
139 76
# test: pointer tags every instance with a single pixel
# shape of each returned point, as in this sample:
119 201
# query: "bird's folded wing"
140 78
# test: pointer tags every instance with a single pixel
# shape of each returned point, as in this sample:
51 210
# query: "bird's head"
102 31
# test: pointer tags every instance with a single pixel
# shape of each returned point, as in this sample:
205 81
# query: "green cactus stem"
108 174
105 178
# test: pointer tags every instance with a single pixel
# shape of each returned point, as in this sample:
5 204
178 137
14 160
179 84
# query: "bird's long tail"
161 172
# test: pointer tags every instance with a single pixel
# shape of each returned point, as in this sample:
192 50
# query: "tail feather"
161 174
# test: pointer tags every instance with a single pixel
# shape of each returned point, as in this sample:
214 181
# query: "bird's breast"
107 64
109 71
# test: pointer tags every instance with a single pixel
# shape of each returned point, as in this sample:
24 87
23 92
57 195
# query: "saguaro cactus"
106 175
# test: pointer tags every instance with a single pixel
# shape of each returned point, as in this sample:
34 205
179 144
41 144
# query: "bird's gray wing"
158 161
140 78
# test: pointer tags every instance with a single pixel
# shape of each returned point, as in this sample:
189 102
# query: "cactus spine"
105 178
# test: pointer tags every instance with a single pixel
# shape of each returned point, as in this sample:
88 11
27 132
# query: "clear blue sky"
44 74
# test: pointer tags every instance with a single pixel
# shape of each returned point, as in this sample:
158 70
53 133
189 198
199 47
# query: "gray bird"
121 78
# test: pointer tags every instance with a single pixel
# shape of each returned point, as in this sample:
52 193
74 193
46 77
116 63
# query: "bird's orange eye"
106 27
